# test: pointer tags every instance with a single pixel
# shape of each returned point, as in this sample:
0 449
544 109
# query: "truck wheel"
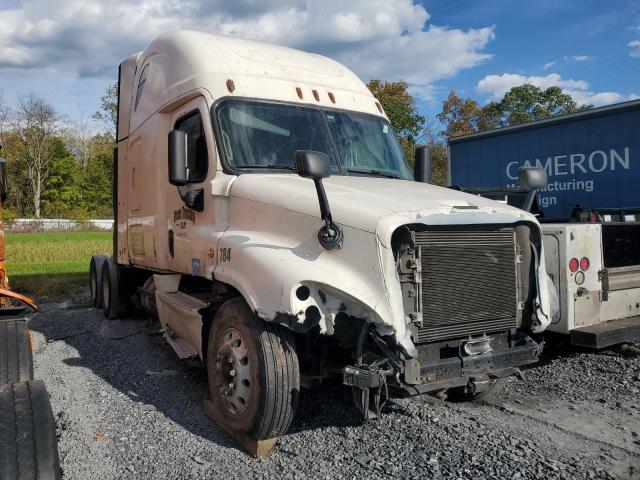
16 360
254 377
495 386
113 304
28 445
95 279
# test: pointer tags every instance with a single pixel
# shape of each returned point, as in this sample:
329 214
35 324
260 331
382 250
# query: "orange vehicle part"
8 293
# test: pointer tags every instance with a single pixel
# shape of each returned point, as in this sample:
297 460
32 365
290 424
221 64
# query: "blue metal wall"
593 161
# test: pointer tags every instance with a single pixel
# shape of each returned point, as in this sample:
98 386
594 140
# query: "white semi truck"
266 215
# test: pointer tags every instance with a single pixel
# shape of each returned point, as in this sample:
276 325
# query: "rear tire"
253 372
28 445
113 303
95 279
16 359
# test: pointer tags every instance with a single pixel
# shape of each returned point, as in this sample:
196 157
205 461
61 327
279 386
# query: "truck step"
606 334
181 347
179 315
182 301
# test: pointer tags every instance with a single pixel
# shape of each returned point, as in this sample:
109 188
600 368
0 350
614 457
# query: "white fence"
45 224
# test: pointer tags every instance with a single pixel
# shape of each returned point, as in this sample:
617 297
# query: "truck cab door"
189 240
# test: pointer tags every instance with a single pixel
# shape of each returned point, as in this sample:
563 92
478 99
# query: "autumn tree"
36 126
459 115
400 107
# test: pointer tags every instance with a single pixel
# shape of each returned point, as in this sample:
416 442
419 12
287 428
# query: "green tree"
528 103
62 192
400 107
96 183
18 191
108 112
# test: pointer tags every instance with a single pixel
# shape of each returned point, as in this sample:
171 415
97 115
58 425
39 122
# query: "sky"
68 51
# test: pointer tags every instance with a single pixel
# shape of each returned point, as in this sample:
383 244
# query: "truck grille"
468 283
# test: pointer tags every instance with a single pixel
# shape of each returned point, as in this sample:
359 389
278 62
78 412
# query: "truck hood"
362 202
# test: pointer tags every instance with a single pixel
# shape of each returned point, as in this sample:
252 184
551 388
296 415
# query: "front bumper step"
606 334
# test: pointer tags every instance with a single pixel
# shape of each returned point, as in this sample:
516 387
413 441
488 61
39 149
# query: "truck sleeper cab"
267 217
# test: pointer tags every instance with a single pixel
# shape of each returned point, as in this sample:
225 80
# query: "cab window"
196 146
141 82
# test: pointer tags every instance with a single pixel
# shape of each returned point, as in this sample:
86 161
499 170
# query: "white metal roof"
185 60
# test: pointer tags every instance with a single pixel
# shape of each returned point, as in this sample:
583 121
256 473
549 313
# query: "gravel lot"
128 408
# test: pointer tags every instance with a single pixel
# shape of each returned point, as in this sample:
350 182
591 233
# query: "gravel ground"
128 408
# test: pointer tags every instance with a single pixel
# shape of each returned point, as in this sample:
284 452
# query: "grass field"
53 265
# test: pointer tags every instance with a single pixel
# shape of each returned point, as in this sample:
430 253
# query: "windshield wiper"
274 167
372 171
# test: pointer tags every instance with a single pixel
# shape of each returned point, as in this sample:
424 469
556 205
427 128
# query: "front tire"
253 372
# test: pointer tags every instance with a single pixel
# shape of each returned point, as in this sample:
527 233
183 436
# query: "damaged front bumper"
472 372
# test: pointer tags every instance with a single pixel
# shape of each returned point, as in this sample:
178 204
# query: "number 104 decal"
225 254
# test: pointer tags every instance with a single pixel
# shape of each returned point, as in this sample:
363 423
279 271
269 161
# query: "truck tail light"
584 263
574 265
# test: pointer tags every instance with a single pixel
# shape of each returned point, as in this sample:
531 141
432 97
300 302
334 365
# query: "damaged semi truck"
267 217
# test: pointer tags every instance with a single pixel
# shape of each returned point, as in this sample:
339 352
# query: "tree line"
61 171
55 169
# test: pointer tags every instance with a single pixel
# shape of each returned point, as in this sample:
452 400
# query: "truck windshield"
265 136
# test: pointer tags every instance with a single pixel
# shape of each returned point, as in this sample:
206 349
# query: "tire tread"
16 359
28 445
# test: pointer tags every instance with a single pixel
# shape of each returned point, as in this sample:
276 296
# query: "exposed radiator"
468 283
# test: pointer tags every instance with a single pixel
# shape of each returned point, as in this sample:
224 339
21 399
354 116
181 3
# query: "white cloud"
634 45
377 38
581 58
495 86
548 65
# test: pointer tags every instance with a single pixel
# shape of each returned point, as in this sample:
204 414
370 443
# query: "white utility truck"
266 215
589 210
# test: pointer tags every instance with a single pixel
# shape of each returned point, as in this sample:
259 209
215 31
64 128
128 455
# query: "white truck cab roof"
183 61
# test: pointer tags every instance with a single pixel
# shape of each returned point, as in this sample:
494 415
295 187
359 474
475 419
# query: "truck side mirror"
310 164
422 165
177 154
317 165
531 178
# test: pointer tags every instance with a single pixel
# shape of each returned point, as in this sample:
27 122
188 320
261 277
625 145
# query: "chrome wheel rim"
233 368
